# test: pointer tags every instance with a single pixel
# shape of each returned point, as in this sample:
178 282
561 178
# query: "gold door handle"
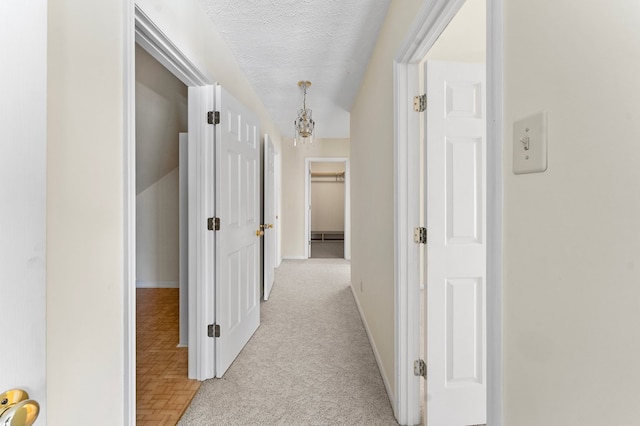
259 233
270 225
16 408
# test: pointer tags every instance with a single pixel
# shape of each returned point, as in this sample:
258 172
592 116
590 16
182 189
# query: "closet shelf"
327 235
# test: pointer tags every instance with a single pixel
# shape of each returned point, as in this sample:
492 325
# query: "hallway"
309 363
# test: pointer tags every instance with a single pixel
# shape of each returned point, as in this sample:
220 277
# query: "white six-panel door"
269 216
455 302
237 245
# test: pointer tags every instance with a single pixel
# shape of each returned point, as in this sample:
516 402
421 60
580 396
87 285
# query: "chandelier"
304 124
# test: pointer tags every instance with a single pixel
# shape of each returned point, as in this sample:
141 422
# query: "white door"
269 216
237 293
456 390
23 205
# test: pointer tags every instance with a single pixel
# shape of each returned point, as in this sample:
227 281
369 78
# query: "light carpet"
309 363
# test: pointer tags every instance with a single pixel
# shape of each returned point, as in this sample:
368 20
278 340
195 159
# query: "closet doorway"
327 200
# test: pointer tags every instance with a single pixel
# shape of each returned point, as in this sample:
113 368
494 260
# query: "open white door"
270 234
456 391
237 256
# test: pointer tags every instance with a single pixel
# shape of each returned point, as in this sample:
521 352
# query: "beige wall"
157 234
572 234
372 177
85 291
293 181
464 38
85 275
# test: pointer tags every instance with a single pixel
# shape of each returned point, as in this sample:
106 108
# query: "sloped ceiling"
280 42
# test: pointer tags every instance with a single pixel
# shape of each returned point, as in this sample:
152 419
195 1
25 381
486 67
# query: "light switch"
530 144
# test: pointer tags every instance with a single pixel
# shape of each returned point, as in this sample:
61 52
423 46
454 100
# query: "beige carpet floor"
309 363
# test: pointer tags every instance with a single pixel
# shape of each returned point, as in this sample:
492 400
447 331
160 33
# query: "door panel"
456 251
237 245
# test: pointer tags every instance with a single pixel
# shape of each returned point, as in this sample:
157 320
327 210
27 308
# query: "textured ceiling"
279 42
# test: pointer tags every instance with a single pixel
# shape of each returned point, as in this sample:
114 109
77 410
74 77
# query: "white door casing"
237 203
347 202
270 230
455 302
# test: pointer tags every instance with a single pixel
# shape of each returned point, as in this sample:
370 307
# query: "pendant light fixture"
304 124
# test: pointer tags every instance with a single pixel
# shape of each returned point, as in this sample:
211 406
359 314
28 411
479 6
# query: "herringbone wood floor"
163 391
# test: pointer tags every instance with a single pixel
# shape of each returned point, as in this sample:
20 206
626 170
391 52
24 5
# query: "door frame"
347 202
274 200
139 28
431 21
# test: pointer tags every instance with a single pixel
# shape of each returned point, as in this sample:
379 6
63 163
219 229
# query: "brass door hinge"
420 368
213 117
213 330
213 224
420 103
420 235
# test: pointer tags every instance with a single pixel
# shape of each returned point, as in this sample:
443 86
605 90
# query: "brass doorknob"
259 233
17 409
270 225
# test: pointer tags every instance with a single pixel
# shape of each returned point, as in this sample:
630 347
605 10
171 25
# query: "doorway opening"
150 39
327 202
327 212
471 166
161 119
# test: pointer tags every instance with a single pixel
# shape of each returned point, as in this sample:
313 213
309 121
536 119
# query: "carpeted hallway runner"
309 363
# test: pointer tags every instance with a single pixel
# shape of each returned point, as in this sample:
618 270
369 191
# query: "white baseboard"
383 373
157 284
295 258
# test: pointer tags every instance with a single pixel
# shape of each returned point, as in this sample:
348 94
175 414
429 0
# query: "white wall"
23 85
372 177
327 198
161 114
292 218
85 291
572 234
157 236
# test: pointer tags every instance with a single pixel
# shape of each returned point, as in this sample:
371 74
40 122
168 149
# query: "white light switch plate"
530 144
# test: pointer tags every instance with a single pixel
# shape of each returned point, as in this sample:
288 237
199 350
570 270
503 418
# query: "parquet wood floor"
163 390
